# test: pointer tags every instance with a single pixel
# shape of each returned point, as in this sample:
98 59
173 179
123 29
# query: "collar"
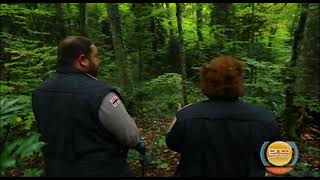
91 76
72 70
219 99
67 70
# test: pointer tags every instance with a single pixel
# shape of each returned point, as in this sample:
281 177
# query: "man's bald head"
71 48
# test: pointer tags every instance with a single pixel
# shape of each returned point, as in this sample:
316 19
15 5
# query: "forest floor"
161 160
165 161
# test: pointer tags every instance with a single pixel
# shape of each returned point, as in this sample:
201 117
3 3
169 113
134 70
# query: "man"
83 121
221 136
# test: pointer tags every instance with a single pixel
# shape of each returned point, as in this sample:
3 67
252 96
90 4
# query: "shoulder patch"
115 101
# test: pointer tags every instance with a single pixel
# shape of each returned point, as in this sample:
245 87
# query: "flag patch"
115 101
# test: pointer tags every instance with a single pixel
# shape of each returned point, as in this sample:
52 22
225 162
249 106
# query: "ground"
153 131
163 161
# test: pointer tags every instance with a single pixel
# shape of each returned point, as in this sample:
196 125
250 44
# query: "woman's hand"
175 118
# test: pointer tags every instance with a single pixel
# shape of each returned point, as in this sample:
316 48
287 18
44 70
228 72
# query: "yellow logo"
279 153
279 157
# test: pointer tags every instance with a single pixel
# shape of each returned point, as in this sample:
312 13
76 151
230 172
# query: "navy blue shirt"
221 138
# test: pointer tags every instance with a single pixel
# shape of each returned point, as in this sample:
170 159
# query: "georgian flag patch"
115 101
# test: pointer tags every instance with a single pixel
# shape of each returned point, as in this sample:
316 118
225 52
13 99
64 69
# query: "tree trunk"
251 48
221 14
140 66
171 34
212 15
172 45
295 19
118 45
61 27
273 31
156 29
311 52
83 18
291 115
143 40
251 43
70 20
199 23
253 70
181 54
32 5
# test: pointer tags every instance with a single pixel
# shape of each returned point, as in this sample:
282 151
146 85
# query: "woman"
221 136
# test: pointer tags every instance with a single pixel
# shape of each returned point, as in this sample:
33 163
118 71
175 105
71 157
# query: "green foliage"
159 97
265 88
26 65
161 141
304 169
133 155
153 157
311 104
14 150
260 34
8 114
17 151
33 172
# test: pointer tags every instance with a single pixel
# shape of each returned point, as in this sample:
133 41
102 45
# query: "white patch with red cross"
115 101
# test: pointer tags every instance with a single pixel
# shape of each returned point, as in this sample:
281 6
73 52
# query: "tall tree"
221 13
172 47
60 22
272 32
171 32
199 23
118 45
72 25
291 115
142 35
222 28
159 34
83 18
311 52
252 44
182 54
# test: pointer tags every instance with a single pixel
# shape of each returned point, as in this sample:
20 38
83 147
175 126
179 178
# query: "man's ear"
83 61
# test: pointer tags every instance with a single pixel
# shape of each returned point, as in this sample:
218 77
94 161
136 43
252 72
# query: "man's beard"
93 70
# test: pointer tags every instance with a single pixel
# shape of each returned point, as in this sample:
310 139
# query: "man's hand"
141 147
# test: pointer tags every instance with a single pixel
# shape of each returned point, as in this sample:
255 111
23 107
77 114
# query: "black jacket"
221 138
66 110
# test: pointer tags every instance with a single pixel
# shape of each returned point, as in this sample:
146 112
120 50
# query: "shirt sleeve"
115 118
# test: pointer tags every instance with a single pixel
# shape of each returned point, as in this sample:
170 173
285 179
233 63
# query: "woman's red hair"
221 78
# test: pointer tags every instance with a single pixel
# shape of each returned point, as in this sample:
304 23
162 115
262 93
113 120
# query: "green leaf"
33 172
6 104
29 150
12 109
11 146
163 166
7 162
29 146
156 162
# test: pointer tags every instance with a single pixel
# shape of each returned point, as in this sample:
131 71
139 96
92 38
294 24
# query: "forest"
151 53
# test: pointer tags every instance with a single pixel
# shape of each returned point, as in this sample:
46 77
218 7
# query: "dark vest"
66 110
221 138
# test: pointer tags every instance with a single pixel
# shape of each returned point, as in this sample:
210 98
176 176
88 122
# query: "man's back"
66 109
221 138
